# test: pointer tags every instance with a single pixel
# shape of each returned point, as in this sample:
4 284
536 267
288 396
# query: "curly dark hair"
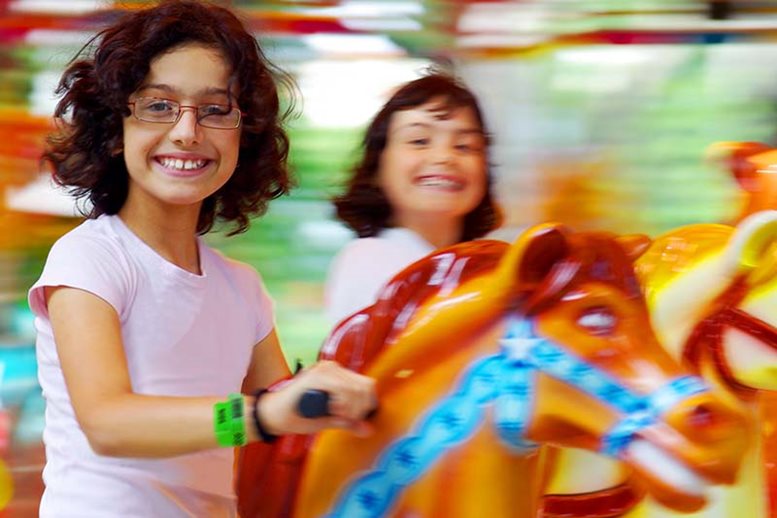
364 206
85 154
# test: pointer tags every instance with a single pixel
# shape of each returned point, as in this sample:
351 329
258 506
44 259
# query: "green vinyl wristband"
229 422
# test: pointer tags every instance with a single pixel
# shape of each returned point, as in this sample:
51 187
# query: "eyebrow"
424 125
211 90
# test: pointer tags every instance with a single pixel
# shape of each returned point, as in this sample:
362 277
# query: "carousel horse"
753 165
712 293
483 352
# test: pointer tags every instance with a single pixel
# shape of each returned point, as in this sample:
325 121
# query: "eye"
158 105
214 109
470 146
419 141
598 321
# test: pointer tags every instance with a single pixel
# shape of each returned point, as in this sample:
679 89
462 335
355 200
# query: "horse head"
712 290
752 164
506 347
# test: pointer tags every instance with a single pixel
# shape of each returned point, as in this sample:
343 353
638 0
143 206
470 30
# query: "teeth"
183 165
439 182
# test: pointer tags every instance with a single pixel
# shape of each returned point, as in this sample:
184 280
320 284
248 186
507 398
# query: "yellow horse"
483 352
753 165
712 293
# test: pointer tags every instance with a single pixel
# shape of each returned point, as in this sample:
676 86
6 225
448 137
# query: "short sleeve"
91 264
252 289
265 309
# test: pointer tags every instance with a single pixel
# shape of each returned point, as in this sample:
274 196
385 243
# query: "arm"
118 422
267 365
351 395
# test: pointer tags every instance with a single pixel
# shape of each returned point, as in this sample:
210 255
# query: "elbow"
102 438
104 448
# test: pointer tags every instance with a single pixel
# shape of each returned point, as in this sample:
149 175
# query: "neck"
171 233
438 232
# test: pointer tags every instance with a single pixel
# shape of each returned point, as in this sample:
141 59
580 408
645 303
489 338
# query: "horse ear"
534 253
634 245
735 156
752 242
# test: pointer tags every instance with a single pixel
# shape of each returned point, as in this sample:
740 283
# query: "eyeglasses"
165 111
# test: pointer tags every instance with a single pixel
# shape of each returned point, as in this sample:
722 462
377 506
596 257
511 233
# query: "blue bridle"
506 380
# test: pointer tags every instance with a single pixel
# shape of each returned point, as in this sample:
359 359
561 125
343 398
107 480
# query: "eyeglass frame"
181 108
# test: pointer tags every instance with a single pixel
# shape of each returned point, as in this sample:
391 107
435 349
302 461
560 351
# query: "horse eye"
598 321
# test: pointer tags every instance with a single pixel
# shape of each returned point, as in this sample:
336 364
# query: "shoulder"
89 257
390 251
368 256
93 242
358 272
238 276
232 268
363 247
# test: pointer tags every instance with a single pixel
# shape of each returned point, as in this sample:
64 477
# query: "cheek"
391 191
479 178
231 147
398 163
132 151
135 141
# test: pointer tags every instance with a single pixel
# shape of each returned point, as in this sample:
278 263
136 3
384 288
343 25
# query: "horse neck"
676 308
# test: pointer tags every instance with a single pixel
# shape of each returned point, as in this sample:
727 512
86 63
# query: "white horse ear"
735 156
751 242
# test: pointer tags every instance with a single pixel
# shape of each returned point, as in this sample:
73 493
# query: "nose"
186 130
442 151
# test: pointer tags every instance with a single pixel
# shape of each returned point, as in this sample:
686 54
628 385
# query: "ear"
532 256
634 244
752 242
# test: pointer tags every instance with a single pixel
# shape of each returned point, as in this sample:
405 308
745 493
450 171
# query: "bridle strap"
708 334
638 410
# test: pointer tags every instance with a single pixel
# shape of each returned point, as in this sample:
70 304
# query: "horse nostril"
701 416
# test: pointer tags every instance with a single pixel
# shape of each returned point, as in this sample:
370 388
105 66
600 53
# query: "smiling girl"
154 350
423 183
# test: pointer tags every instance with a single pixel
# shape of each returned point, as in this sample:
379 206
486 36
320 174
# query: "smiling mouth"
440 182
182 165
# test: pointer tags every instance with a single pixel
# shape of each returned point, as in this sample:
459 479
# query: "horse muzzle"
697 443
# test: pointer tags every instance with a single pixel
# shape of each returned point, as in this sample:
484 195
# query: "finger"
351 395
334 422
352 404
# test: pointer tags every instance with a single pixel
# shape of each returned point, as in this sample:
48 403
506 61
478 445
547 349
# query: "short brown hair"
364 206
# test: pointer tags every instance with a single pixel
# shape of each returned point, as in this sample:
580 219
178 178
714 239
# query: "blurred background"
601 111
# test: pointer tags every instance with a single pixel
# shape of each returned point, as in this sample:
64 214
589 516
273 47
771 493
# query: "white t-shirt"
364 265
184 335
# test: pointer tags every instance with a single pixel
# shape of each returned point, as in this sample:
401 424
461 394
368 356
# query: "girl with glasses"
154 350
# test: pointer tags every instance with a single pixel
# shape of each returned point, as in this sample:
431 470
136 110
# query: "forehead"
436 115
189 69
